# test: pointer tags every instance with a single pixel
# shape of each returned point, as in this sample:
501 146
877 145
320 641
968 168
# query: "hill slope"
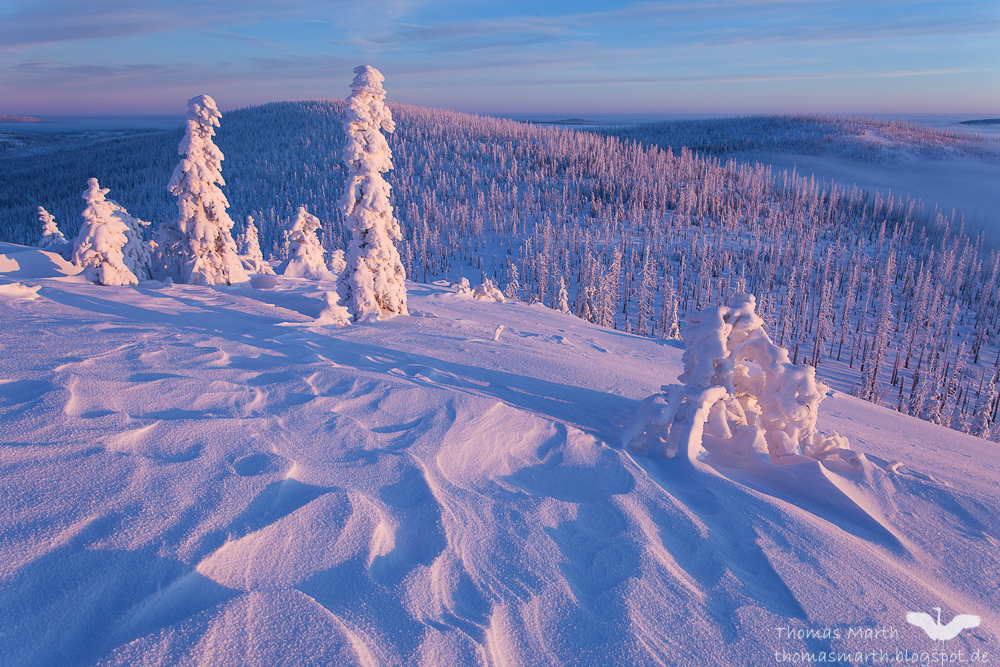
202 476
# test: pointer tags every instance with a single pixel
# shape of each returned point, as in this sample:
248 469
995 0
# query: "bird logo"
938 632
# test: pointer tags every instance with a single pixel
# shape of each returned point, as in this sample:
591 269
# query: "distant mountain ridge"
19 119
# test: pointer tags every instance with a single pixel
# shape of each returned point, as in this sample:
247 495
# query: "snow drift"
186 480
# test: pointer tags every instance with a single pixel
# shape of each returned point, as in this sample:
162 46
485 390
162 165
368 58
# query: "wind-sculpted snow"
188 480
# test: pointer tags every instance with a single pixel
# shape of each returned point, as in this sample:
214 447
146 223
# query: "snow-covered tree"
136 251
50 235
98 246
253 258
305 252
513 290
198 247
333 312
374 281
487 291
562 298
722 400
337 263
981 417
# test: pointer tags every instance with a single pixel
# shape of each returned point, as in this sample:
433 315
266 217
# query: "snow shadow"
734 520
593 412
75 604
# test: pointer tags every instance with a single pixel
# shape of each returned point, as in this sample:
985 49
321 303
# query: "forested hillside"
892 302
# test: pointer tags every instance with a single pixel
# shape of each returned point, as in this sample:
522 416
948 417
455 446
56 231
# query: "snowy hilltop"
215 475
890 298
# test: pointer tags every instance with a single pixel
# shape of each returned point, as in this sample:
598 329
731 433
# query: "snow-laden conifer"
198 247
98 246
333 312
980 425
374 281
305 252
513 290
562 299
253 258
50 234
136 251
337 262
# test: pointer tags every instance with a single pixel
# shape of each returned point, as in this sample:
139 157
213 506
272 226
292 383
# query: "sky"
60 57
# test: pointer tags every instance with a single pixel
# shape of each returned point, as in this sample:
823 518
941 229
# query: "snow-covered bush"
333 312
724 403
50 234
250 253
98 246
198 247
488 291
305 252
374 281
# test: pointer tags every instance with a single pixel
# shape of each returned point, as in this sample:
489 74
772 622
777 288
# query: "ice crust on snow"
777 406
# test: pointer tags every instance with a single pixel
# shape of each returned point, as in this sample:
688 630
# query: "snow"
19 291
186 480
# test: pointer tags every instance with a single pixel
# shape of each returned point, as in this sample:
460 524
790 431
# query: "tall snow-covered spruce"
374 281
198 247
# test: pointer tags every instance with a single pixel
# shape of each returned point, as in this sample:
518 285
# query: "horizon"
732 57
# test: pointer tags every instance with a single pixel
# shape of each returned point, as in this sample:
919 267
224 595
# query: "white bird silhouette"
938 632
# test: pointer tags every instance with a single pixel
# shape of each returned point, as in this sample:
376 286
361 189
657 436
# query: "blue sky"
718 56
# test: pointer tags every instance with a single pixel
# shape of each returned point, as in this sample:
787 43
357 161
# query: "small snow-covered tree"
253 258
136 250
198 247
374 281
50 235
305 252
98 246
487 291
721 400
562 300
337 263
513 291
333 312
981 418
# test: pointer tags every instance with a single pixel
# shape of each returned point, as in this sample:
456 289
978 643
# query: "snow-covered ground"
196 475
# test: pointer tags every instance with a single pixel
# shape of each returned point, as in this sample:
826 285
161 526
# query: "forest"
892 302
